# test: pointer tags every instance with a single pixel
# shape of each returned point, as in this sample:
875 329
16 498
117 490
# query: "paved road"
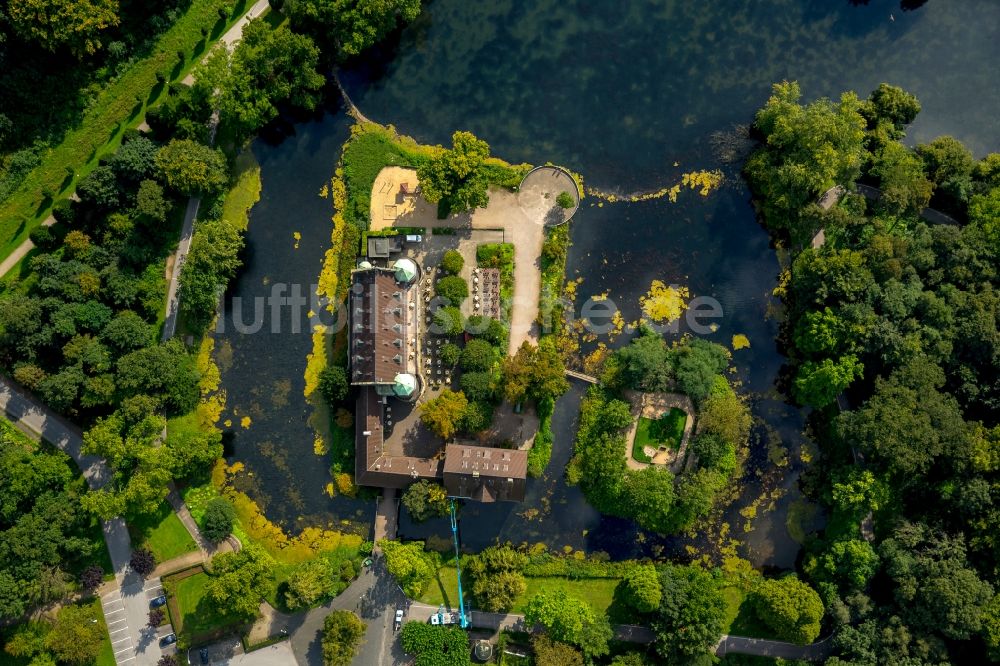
764 648
374 596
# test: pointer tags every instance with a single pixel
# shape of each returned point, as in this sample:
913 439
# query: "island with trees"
126 185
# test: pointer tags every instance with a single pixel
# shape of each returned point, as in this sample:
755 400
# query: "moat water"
631 95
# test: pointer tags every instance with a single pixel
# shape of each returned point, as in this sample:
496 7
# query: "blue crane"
462 620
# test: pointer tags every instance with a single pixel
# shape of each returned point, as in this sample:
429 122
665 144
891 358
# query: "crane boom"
463 621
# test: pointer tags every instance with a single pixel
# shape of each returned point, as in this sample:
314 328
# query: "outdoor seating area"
436 373
486 292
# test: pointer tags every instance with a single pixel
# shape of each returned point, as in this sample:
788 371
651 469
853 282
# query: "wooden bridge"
582 377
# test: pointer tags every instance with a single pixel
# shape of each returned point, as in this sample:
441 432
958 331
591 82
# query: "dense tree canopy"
347 27
269 67
44 534
191 168
240 580
55 24
443 414
790 607
690 617
410 564
896 320
809 149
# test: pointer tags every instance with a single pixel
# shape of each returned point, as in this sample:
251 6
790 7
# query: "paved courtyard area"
520 217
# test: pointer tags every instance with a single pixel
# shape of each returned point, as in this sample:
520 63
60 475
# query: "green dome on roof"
406 270
406 385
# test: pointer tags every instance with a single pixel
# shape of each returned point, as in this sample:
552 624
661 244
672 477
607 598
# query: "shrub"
450 353
155 617
142 562
91 578
641 588
452 262
217 521
565 200
435 644
478 355
448 321
425 499
333 384
43 238
452 288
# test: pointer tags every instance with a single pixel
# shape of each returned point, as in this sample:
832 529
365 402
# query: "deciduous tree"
53 24
691 614
342 632
191 168
789 607
457 176
443 414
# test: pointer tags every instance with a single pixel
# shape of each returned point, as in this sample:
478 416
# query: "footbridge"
582 377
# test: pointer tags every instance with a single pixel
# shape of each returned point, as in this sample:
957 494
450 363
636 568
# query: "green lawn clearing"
741 620
665 431
162 533
598 592
196 617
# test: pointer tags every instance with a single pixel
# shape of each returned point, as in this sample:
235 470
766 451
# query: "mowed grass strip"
598 592
115 109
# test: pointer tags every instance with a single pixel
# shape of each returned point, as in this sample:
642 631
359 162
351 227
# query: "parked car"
203 655
399 620
414 238
158 601
169 639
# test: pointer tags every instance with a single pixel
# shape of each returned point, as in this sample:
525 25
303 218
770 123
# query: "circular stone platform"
538 191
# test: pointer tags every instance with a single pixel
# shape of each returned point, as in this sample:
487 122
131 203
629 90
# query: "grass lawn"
162 533
665 431
740 617
114 110
598 592
197 616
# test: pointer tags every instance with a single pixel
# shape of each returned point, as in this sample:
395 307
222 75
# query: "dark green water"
620 92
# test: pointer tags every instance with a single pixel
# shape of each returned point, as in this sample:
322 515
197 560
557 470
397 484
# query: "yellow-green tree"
444 413
54 24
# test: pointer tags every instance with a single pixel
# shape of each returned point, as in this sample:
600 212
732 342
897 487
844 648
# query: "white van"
414 238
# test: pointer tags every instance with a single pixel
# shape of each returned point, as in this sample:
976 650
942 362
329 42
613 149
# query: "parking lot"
126 612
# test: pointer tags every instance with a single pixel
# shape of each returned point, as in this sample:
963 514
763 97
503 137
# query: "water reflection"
630 95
